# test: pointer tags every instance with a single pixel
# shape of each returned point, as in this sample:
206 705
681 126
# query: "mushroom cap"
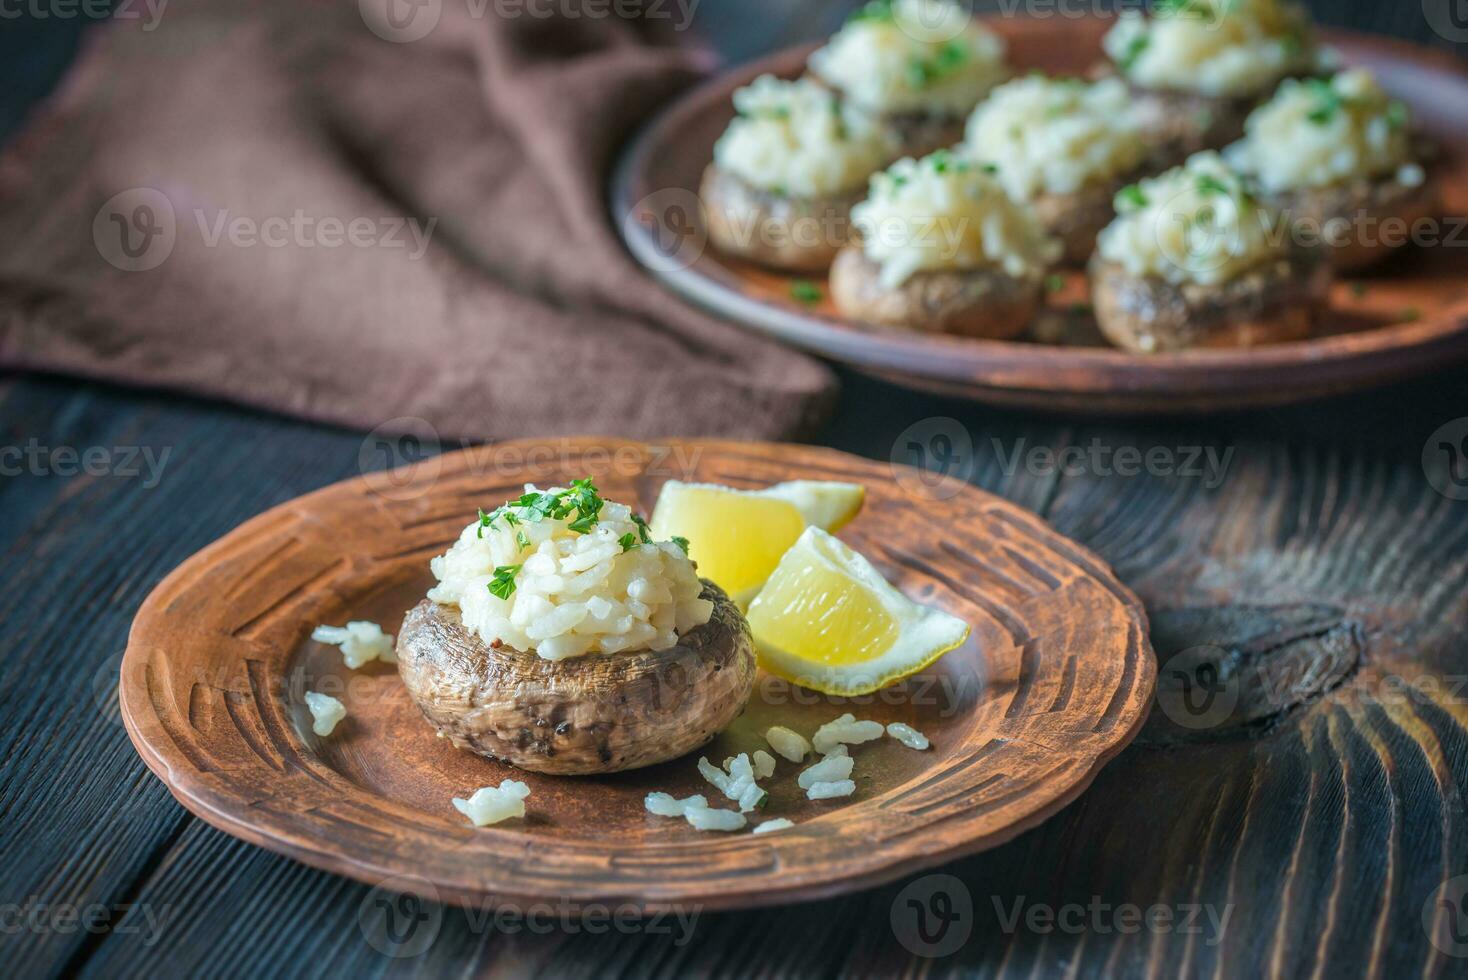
597 713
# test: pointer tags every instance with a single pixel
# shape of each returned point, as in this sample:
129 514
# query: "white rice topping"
790 744
1317 133
912 56
764 764
1196 223
797 139
326 711
847 730
491 804
948 212
1214 47
908 736
608 590
830 791
1055 135
360 642
770 825
830 769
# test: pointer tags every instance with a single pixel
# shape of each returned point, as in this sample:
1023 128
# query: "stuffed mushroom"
915 67
561 638
1338 159
943 249
1196 68
1194 259
1064 147
786 173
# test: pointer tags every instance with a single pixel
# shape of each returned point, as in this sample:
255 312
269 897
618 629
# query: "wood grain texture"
1408 316
1056 678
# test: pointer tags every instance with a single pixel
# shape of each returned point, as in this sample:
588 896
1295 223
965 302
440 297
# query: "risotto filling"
563 573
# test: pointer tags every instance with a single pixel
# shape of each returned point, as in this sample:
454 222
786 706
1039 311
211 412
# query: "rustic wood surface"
1056 677
1406 316
1324 819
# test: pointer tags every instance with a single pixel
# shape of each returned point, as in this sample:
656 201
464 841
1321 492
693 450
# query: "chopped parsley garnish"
642 531
922 72
1131 195
1209 185
1054 283
989 168
628 541
807 292
876 10
1411 315
1358 289
681 542
580 499
1396 115
1133 51
522 539
1327 101
503 583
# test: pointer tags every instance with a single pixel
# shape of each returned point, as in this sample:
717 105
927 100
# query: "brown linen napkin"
270 202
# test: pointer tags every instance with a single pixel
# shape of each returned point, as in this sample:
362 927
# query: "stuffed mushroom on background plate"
1410 315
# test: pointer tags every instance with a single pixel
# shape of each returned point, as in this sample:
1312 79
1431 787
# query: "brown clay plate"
1406 317
1055 680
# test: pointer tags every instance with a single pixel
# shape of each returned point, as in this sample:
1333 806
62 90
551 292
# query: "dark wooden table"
1304 820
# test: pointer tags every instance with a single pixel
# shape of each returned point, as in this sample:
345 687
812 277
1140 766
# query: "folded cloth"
321 208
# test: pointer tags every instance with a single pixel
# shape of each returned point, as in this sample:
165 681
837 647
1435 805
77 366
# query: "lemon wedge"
827 620
738 536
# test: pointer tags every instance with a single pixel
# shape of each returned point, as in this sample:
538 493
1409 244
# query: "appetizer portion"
1197 67
737 537
562 638
916 67
785 174
1337 158
1194 259
943 249
1062 146
827 620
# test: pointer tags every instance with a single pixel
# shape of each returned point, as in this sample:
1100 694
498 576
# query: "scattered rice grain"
908 736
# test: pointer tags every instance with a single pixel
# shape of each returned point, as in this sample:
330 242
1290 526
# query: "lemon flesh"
737 537
827 620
